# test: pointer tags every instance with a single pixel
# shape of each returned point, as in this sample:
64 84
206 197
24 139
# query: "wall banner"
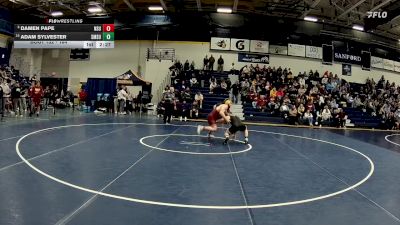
297 50
253 58
220 43
259 46
346 69
241 45
376 62
314 52
396 66
349 58
388 64
278 49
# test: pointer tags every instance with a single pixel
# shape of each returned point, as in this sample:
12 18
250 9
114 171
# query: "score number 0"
108 27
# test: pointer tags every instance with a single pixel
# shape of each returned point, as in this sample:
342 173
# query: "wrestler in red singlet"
213 116
36 93
218 115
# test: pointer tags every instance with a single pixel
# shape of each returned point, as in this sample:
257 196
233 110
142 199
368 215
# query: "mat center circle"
193 144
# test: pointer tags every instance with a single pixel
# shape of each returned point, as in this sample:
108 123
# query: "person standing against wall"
205 63
211 62
220 64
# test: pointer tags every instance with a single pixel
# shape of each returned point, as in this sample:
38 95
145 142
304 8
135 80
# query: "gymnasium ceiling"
337 12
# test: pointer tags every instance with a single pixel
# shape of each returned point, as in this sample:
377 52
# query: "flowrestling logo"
379 15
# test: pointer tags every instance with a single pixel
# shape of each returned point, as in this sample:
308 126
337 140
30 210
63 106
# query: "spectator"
213 86
54 95
122 95
194 112
186 66
293 115
46 97
341 118
326 116
220 64
185 110
193 82
284 110
6 95
308 118
224 87
211 62
205 63
235 92
192 67
187 95
178 110
198 98
300 111
16 99
261 103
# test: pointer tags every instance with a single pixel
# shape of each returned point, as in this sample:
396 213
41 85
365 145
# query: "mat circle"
248 146
170 204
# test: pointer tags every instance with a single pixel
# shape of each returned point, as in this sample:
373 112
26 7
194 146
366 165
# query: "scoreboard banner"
66 33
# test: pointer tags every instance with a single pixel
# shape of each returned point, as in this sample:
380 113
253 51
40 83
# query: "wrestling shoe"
225 141
246 141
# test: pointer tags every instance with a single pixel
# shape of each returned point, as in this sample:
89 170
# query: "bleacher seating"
210 99
357 116
362 119
252 114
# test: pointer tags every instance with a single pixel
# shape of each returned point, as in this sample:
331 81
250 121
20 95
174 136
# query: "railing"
161 53
160 90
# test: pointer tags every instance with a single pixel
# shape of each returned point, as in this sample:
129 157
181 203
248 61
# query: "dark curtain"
100 85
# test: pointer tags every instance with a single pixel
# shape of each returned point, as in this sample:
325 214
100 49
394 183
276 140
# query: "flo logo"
380 15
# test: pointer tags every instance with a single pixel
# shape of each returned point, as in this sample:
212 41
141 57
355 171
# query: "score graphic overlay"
66 33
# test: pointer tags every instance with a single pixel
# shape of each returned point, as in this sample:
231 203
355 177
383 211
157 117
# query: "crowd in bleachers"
308 98
313 99
186 85
14 93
